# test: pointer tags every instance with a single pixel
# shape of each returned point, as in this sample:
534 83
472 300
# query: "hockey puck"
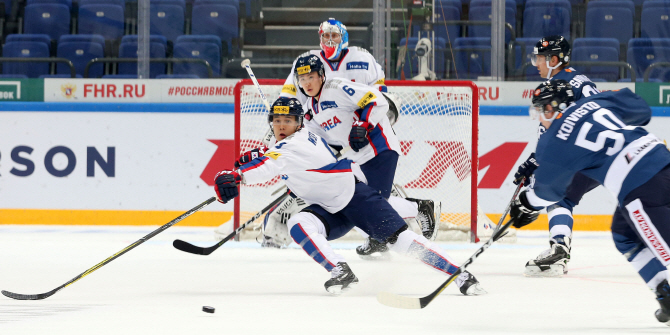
208 309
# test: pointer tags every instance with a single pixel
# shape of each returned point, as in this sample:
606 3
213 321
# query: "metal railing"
647 72
73 72
624 65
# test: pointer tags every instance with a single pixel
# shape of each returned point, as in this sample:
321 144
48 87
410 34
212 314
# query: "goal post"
438 132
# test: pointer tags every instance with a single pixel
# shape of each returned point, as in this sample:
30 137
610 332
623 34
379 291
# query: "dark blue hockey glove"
358 137
522 213
225 186
526 169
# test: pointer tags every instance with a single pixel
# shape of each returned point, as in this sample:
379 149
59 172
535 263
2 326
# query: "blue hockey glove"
522 213
225 186
249 156
358 137
526 169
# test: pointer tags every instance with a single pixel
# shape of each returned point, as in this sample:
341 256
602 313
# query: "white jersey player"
338 199
359 66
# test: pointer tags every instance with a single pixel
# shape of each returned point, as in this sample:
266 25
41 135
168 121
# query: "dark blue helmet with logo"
308 64
286 106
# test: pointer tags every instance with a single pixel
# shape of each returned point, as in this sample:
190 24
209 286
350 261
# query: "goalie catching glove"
358 137
249 156
522 213
225 186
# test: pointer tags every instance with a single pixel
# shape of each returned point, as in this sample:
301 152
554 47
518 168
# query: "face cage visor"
538 112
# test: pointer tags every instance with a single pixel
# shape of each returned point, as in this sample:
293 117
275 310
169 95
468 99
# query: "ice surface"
156 289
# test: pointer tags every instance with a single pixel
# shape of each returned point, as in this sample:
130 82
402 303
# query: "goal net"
437 129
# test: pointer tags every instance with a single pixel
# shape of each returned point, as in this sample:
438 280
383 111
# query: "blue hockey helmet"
330 47
307 64
286 106
555 93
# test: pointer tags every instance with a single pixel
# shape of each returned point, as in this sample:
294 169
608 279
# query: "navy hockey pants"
380 172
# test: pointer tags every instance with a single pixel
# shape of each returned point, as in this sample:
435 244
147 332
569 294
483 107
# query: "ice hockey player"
551 57
338 198
601 137
358 65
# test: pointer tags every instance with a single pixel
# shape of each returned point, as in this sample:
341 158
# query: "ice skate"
552 262
372 250
426 217
469 285
663 297
342 279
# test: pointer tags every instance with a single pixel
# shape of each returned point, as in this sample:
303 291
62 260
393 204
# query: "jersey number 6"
348 90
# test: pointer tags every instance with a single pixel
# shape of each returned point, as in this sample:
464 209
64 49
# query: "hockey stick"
194 249
399 301
246 64
18 296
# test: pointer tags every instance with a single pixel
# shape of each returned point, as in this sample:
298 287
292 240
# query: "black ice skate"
663 297
342 279
373 250
426 217
468 284
552 262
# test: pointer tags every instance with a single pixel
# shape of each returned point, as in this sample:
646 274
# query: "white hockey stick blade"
398 301
245 62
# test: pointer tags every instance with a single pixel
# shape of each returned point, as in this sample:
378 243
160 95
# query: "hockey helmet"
554 45
286 106
307 64
330 48
556 93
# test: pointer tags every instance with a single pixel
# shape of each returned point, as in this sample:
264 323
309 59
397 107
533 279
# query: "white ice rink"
156 289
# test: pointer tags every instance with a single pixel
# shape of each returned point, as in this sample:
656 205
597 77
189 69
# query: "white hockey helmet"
331 49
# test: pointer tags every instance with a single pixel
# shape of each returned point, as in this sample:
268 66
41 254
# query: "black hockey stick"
18 296
399 301
194 249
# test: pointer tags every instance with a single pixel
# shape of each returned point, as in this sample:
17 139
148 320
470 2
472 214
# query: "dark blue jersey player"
551 56
602 138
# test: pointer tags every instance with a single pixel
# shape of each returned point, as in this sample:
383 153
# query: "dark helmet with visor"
555 93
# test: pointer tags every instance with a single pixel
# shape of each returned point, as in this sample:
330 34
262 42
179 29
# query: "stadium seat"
219 20
119 76
101 19
479 12
47 18
59 76
67 3
472 57
547 17
654 20
446 10
157 49
193 46
605 19
177 76
597 50
643 52
411 67
44 38
25 49
121 3
17 76
81 49
167 19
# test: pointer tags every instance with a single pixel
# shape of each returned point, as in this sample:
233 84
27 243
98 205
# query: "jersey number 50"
599 144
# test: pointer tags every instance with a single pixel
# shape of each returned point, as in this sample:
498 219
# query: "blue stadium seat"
101 19
445 10
655 4
81 49
643 52
25 49
234 3
49 18
547 17
219 20
177 76
67 3
44 38
157 49
597 50
18 76
167 19
59 76
193 46
472 57
483 13
411 67
119 76
121 3
654 20
605 19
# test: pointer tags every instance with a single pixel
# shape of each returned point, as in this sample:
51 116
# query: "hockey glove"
526 169
522 213
225 186
358 137
249 156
